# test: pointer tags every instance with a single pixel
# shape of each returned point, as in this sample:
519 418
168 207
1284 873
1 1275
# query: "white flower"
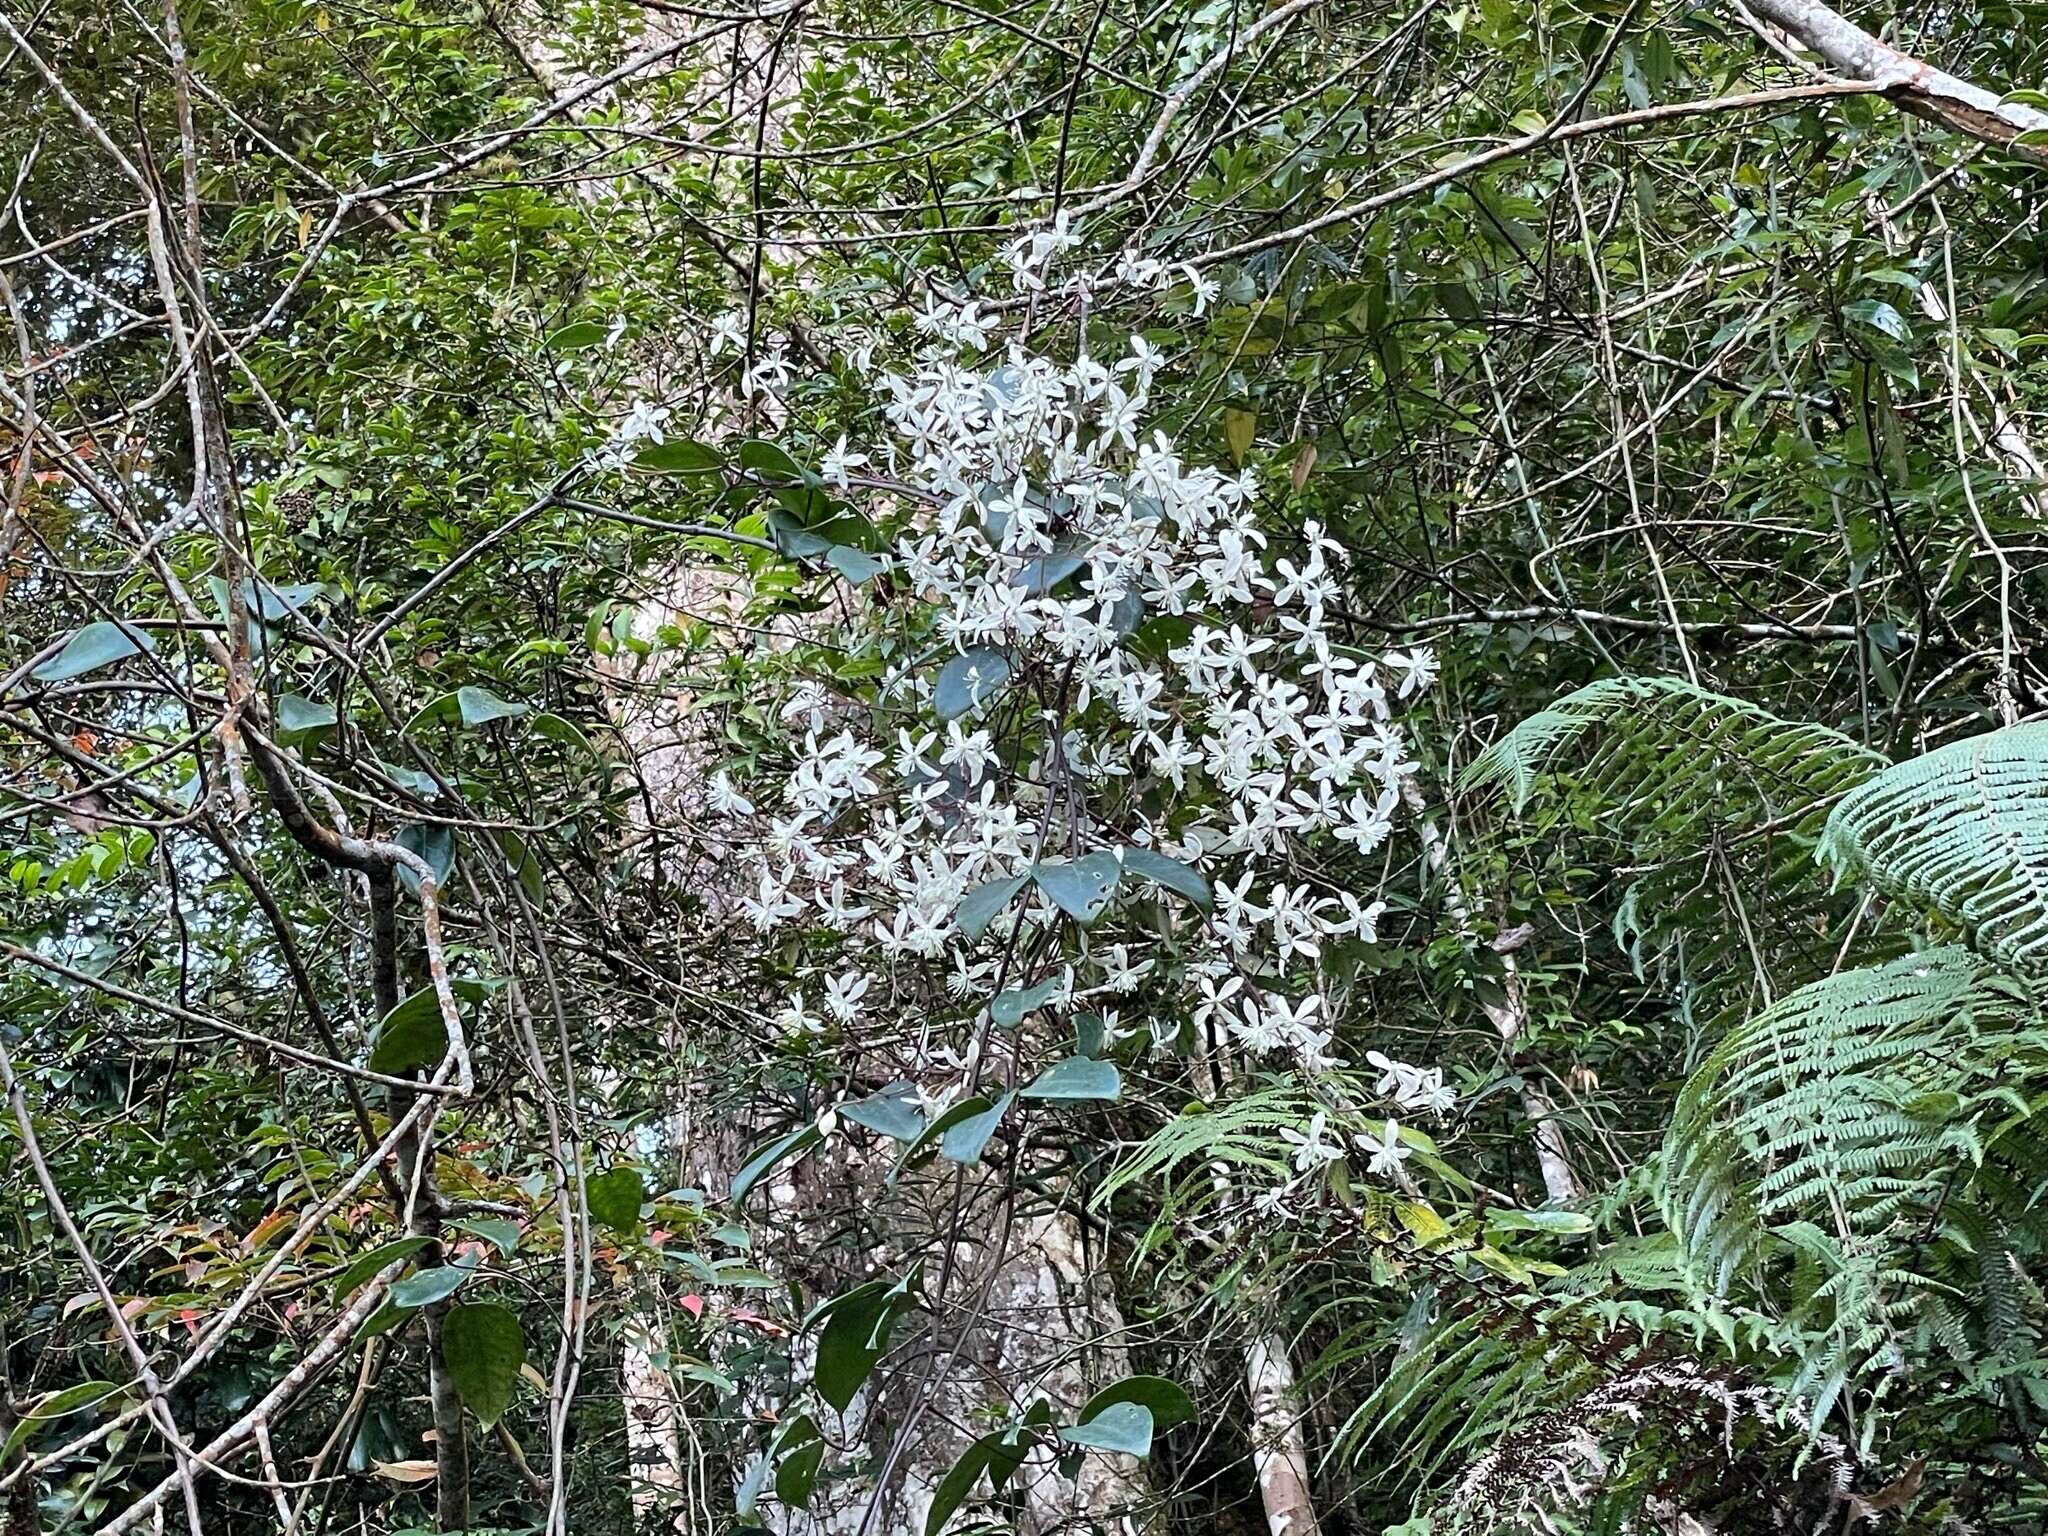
843 995
642 424
1388 1153
729 332
837 462
724 799
797 1019
1310 1150
1204 289
1417 669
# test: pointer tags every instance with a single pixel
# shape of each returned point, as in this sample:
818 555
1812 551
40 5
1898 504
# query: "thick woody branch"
1917 86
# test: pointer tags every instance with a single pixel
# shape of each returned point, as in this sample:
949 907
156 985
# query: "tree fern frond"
1842 1096
1681 731
1962 829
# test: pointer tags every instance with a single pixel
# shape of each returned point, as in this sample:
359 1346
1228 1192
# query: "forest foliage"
882 768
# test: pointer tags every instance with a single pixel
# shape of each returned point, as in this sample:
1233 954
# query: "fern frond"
1715 801
1964 830
1681 734
1241 1133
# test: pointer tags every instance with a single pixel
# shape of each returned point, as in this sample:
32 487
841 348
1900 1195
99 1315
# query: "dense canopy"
1248 766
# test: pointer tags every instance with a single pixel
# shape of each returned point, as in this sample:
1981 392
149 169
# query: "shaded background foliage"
1666 401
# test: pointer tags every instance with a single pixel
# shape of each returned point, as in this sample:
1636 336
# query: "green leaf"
432 841
802 1139
998 1455
412 1036
615 1197
769 460
680 456
495 1230
353 1277
97 645
484 1347
969 681
1167 1401
424 1287
966 1138
1123 1426
52 1406
1009 1008
931 1137
893 1112
1556 1223
855 1332
479 706
300 719
799 1450
1081 887
1077 1080
578 336
978 908
856 565
1182 879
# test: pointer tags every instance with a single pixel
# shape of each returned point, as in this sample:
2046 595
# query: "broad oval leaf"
1077 1080
978 908
1123 1426
484 1347
1182 879
969 681
1167 1400
424 1287
97 645
1081 887
615 1197
967 1138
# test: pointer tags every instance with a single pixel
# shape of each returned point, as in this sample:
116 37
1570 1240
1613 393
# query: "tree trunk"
1279 1449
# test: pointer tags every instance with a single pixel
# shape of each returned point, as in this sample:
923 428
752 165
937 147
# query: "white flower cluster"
1047 527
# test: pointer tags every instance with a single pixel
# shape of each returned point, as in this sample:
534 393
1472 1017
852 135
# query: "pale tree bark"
1279 1448
1917 86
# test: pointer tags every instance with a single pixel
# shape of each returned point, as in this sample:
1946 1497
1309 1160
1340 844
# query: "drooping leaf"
799 1451
1166 1400
615 1197
893 1112
978 908
424 1287
1182 879
353 1277
967 1138
479 706
99 644
1010 1008
300 719
802 1139
484 1347
1077 1080
856 565
52 1406
1081 887
969 681
1124 1426
412 1036
498 1231
854 1330
432 841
